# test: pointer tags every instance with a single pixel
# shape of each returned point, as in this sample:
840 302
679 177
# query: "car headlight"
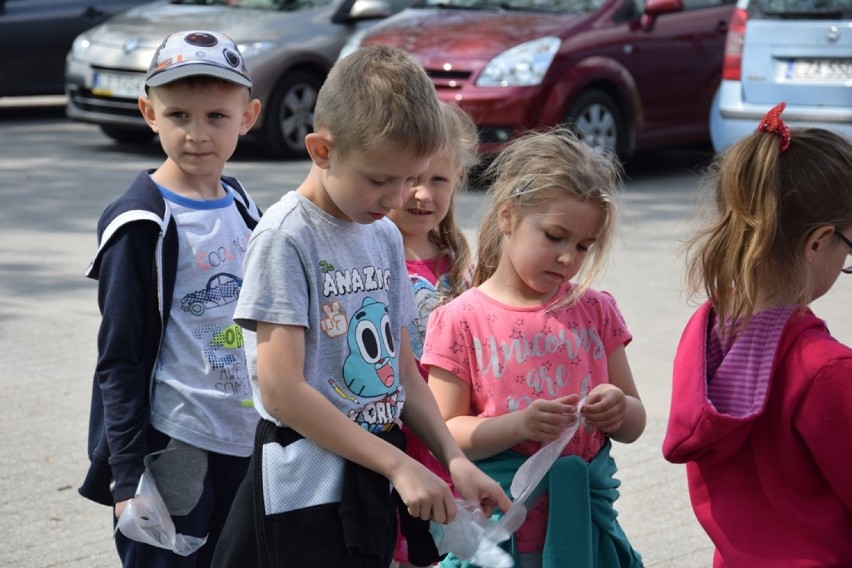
353 43
522 65
251 49
80 45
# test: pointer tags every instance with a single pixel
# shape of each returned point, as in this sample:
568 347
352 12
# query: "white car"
795 51
288 45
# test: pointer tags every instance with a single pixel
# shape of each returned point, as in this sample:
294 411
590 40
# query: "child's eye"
552 237
177 114
215 115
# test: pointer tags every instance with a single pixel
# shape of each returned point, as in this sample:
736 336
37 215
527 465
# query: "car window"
803 9
560 6
699 4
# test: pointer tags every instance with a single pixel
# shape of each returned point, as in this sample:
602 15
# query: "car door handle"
93 13
722 27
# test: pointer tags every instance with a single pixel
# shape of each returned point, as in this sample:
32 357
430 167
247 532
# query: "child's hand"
543 420
605 408
472 484
427 496
119 507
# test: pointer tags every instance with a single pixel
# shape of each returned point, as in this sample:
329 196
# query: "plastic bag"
146 519
473 537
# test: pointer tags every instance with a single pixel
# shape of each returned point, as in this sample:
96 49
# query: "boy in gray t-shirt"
325 302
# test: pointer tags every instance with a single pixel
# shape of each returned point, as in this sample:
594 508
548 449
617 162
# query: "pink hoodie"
774 487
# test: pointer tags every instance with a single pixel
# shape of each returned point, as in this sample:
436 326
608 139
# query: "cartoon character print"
426 296
370 369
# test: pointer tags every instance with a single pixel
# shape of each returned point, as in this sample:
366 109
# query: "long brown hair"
462 145
765 206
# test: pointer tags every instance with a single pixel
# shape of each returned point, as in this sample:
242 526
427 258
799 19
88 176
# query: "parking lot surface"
57 176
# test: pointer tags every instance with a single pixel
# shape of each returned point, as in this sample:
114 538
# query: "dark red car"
630 75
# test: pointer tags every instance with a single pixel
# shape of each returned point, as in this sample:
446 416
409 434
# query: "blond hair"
765 205
462 146
380 95
529 174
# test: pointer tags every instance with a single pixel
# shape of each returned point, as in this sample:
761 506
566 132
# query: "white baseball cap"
197 53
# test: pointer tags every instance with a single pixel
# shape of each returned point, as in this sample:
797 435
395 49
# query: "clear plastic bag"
146 519
473 537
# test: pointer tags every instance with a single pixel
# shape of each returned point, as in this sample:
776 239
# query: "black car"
35 36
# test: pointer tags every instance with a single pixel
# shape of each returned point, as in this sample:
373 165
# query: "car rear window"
802 9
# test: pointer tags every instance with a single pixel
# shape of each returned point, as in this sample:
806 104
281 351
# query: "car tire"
598 120
128 134
290 115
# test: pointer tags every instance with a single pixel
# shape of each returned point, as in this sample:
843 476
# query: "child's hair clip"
521 188
772 122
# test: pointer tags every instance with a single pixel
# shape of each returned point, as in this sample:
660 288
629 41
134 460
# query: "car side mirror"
654 8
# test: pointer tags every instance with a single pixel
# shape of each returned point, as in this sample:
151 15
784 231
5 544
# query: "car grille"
448 79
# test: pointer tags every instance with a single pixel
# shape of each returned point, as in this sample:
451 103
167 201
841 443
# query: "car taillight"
732 63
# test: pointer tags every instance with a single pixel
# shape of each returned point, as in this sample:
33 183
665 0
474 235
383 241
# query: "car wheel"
127 134
290 114
597 119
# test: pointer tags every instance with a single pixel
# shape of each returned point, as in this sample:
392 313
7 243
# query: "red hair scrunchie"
772 123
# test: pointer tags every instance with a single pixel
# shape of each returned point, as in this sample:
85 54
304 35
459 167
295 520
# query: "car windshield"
812 9
288 5
561 6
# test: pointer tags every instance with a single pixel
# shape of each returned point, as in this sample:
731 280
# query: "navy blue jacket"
135 267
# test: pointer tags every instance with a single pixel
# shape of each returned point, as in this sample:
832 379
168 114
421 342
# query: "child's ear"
319 146
817 240
146 107
505 216
250 114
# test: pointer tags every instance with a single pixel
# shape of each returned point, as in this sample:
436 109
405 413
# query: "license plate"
819 69
115 85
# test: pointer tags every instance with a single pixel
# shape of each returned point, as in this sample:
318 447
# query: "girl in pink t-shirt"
511 358
436 252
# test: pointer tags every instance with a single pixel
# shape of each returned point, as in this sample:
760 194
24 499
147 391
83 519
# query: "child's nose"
196 133
566 256
396 197
422 193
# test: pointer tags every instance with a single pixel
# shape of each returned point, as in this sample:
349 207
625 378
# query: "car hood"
467 34
143 28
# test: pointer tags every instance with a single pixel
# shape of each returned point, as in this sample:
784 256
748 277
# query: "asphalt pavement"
57 176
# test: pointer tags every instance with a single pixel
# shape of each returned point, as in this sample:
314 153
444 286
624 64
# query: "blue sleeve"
127 348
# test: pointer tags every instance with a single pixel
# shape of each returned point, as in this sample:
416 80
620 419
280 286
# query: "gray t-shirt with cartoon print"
347 285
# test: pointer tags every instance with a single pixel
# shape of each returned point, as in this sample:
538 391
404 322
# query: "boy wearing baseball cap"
171 373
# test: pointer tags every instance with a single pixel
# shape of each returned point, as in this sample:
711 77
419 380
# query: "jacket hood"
701 427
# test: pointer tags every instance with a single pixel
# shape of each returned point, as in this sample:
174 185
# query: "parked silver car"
289 46
795 51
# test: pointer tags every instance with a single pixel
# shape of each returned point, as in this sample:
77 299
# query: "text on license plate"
820 69
122 86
